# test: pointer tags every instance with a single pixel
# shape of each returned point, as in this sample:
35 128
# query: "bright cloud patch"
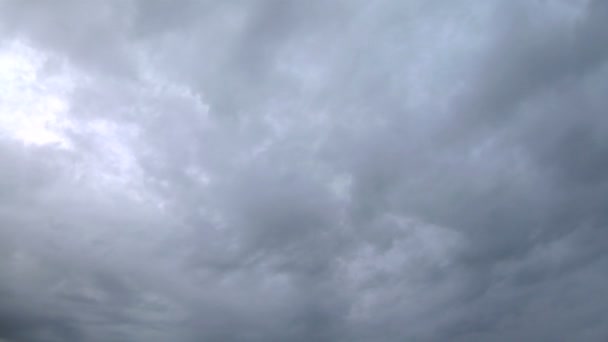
33 104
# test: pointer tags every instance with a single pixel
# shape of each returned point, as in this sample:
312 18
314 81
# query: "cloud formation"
315 170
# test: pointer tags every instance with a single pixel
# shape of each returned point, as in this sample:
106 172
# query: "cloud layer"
303 170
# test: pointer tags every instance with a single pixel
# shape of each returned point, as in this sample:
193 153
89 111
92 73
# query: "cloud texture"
282 170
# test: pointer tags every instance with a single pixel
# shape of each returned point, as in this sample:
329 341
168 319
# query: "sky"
319 170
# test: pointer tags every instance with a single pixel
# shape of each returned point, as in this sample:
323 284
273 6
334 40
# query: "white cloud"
33 106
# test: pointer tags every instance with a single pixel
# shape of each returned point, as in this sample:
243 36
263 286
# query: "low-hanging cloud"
303 170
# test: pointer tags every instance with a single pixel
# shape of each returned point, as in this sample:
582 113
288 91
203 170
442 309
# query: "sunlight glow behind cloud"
33 106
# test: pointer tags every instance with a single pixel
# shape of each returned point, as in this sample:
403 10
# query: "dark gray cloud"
303 170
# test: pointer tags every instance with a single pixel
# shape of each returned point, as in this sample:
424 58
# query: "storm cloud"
282 170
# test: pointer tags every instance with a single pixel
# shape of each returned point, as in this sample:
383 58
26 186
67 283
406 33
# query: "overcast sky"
303 170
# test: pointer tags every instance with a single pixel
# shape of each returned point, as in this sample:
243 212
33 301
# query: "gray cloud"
303 170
